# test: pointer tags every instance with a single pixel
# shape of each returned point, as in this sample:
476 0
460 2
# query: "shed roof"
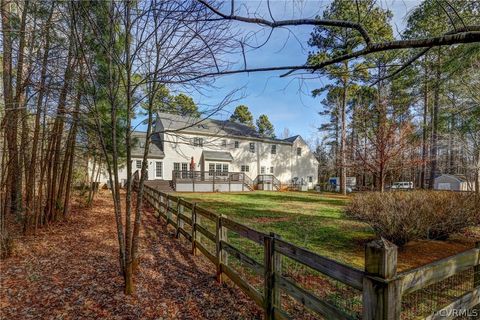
456 177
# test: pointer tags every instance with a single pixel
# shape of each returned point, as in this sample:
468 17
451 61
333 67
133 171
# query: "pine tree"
265 127
242 115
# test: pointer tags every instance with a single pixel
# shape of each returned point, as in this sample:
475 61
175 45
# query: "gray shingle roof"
217 156
291 139
458 177
155 150
210 126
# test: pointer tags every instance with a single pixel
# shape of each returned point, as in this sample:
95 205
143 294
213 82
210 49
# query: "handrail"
268 178
211 176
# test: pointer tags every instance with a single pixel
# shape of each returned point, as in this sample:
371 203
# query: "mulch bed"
70 271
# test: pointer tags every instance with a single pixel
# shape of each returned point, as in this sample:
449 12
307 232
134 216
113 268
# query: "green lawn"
313 221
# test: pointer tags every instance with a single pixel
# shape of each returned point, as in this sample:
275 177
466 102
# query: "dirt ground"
70 271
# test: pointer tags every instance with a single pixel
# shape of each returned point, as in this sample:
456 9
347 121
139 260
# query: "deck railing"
211 177
268 178
381 288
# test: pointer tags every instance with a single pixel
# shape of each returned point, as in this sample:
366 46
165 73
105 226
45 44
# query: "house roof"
155 149
217 156
209 126
291 139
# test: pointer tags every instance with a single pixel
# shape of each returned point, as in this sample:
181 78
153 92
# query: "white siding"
178 147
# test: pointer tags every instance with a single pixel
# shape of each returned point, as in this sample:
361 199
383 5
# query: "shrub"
403 216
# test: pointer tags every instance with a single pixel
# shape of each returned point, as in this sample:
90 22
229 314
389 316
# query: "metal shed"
452 182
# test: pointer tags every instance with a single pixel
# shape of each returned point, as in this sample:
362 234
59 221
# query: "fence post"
213 181
161 208
168 212
179 220
222 256
158 201
382 297
476 270
273 265
476 278
196 218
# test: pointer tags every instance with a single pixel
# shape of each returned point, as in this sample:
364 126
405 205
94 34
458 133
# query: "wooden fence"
382 288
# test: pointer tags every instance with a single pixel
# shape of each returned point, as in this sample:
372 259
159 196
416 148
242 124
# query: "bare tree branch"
292 22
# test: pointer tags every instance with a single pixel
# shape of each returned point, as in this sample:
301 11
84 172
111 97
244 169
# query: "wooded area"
76 74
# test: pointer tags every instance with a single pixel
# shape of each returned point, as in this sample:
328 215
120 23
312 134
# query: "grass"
311 220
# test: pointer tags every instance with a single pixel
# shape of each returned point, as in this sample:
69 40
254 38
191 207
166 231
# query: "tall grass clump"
403 216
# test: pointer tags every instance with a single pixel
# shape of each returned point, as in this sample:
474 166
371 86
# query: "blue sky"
286 101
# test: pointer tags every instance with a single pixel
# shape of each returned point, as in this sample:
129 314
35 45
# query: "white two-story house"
187 148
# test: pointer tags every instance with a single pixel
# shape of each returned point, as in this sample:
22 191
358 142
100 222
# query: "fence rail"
382 288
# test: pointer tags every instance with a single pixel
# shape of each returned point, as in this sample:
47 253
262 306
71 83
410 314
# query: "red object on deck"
192 164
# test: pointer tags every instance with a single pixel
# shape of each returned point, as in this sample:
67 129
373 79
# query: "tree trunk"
343 141
12 190
129 285
423 173
435 122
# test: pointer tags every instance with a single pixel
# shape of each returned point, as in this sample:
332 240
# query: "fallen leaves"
70 271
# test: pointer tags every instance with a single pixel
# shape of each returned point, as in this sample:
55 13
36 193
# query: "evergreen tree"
242 115
333 42
180 104
184 105
265 127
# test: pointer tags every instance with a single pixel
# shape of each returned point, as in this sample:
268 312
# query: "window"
252 146
262 170
224 143
176 166
184 170
138 164
299 151
310 179
245 168
237 144
274 149
271 170
159 169
220 169
198 142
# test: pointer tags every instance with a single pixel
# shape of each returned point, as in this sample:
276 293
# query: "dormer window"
237 144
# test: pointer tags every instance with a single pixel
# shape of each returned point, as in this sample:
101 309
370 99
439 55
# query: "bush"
403 216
